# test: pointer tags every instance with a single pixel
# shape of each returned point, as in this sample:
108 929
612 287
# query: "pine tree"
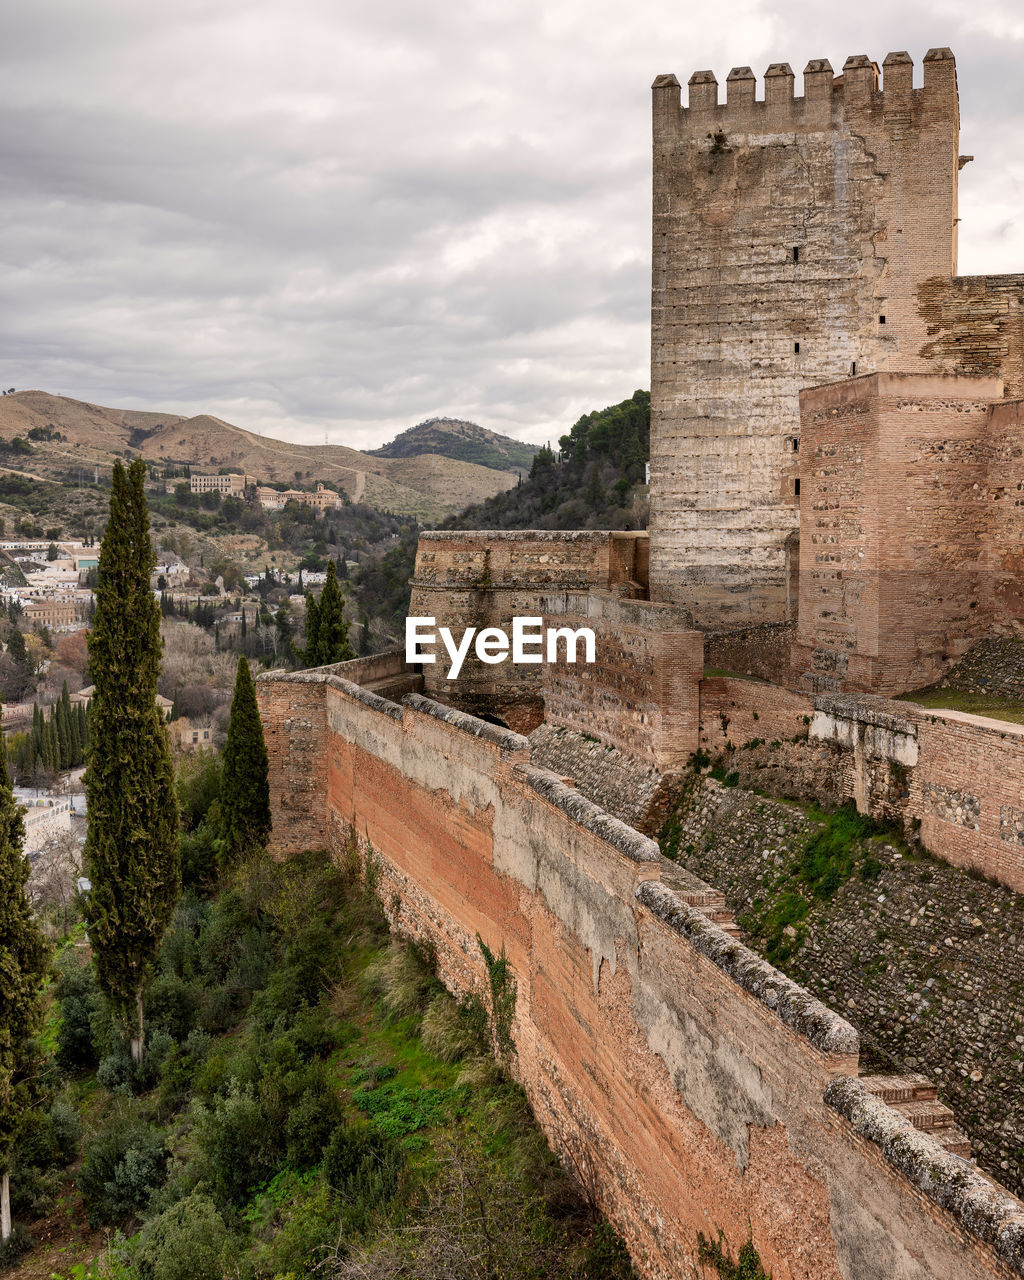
132 847
244 789
23 962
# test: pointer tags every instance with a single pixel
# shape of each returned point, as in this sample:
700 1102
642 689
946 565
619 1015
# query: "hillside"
594 482
454 438
427 487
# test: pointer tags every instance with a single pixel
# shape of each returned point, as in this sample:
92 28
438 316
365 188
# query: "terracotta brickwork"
466 579
700 1088
796 241
641 695
734 711
911 527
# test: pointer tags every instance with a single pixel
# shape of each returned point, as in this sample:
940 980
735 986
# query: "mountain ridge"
425 485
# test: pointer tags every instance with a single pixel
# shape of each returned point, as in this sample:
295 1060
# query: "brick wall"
484 579
700 1088
734 711
900 474
961 777
641 693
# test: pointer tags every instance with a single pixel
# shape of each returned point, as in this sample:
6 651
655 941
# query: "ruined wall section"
641 694
791 237
484 579
957 778
701 1088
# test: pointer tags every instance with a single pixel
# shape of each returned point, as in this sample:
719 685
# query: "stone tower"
797 241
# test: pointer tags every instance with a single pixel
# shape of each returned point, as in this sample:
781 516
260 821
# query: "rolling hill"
454 438
426 485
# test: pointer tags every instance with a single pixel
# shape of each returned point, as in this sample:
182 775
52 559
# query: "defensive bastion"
835 436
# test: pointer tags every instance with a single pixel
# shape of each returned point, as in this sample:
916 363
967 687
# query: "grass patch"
975 704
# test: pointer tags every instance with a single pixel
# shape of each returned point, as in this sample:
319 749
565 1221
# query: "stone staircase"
917 1098
695 893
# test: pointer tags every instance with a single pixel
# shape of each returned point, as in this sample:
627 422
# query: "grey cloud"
349 217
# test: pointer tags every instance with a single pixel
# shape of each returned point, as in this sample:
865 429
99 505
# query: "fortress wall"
1006 489
484 579
734 711
831 210
385 673
895 566
294 714
641 695
961 777
696 1087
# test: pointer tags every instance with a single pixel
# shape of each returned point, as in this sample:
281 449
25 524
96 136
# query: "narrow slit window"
796 488
796 253
796 347
853 369
796 445
881 319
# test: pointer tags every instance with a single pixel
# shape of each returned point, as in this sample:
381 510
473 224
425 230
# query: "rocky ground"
994 667
924 959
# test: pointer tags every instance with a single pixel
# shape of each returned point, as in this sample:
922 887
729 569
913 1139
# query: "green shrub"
15 1246
309 1127
198 786
237 1145
78 995
174 1005
363 1167
186 1242
123 1164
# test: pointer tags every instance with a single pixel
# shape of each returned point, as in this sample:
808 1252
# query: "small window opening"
853 369
796 445
796 347
796 253
796 488
881 319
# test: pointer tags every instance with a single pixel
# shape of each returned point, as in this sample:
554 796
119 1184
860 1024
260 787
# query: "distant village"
234 484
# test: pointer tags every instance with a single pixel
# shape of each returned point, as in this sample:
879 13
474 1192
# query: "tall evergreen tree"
132 844
244 789
23 960
17 649
311 653
328 640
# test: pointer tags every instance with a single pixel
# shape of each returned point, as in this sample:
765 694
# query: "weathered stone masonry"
703 1089
797 241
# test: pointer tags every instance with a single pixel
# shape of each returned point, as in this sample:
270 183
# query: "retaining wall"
696 1087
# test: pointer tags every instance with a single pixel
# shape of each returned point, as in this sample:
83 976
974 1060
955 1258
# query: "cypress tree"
16 648
244 789
311 653
132 844
23 961
76 751
326 628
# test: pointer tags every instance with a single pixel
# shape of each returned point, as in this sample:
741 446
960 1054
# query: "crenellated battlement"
799 238
860 86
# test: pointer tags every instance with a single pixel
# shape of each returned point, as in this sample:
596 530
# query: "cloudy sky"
345 216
